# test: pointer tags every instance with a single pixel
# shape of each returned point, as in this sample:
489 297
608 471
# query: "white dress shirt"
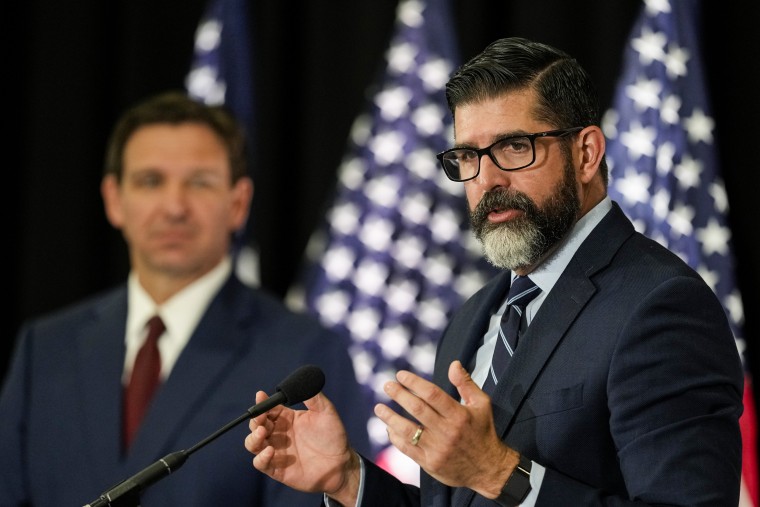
180 313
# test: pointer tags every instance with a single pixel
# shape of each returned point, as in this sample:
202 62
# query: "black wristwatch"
517 486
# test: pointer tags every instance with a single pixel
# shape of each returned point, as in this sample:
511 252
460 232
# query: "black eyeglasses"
509 154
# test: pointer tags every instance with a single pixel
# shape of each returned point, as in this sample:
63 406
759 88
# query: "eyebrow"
494 139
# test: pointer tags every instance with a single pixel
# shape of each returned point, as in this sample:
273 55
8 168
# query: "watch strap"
517 486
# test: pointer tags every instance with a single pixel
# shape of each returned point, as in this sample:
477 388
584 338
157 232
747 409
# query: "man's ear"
109 190
241 202
592 145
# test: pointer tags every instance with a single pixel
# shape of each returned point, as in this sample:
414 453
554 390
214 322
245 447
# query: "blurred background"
72 67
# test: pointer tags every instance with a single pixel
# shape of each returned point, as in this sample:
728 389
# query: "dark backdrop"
72 67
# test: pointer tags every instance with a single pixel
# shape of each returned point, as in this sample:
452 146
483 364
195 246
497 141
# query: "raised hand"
307 450
458 444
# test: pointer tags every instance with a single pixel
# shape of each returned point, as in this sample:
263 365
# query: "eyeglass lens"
510 153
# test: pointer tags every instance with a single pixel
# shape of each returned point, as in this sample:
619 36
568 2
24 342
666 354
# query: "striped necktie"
522 292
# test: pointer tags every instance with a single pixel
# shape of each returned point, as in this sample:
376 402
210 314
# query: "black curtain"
72 67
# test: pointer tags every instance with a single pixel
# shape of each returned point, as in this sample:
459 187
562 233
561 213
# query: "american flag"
664 168
221 74
396 256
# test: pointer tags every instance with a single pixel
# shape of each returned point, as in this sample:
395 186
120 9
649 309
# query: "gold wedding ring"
417 435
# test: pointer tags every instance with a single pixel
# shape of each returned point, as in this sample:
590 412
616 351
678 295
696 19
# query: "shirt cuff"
330 503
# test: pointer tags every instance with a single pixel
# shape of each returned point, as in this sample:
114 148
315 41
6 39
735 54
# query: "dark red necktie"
146 376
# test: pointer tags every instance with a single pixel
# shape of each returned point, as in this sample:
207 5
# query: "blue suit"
627 384
60 410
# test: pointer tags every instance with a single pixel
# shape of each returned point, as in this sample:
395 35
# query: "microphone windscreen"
302 384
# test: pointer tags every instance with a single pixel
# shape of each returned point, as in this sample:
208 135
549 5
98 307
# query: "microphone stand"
127 492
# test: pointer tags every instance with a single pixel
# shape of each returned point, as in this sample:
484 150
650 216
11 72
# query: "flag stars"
432 315
370 277
352 173
401 296
650 46
422 357
410 13
661 203
688 172
383 191
639 140
344 218
434 74
439 269
468 283
634 186
422 163
654 7
393 102
675 61
363 323
699 126
401 58
735 308
710 277
376 233
444 225
388 147
332 307
665 153
645 93
428 119
338 263
408 251
718 193
416 208
714 238
394 341
680 219
669 109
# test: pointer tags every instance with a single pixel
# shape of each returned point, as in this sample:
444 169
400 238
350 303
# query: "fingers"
263 460
261 427
421 398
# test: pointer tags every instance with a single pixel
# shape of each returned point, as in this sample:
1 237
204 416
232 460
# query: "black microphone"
304 383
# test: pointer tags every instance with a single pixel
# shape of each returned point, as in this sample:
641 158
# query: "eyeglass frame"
487 150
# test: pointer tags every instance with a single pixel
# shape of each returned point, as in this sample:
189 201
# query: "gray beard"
512 248
524 241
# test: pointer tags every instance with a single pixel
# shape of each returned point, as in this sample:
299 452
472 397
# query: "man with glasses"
610 377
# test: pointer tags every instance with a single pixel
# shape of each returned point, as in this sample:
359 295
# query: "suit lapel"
557 313
100 345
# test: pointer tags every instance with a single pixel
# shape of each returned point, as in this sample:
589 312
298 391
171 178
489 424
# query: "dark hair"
566 95
176 107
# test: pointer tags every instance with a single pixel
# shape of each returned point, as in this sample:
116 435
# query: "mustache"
500 199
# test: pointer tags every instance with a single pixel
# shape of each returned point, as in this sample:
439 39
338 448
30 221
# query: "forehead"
180 143
495 116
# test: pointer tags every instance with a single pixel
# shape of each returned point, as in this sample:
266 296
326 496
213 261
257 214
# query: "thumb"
461 379
319 403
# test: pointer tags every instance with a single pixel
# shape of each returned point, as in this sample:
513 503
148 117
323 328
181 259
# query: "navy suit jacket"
60 410
627 385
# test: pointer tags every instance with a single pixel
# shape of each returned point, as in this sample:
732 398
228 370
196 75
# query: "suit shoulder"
266 311
75 313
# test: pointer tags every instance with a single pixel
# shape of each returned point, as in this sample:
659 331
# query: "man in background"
74 419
